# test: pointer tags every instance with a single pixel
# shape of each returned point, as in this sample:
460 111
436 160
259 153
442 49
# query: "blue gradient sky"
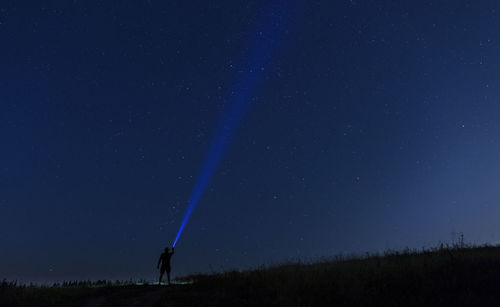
375 126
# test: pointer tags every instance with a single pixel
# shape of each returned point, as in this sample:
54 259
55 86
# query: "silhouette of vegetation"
448 275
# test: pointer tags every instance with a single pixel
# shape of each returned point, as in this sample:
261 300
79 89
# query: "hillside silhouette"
455 275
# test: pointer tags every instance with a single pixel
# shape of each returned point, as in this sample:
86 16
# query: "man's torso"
165 260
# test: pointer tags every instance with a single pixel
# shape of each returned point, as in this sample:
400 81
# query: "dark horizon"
374 126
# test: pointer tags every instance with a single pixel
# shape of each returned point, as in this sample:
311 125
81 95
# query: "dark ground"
453 276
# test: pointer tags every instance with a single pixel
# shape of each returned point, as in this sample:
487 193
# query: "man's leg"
161 275
168 276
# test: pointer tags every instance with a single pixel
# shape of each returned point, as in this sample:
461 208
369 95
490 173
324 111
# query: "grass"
455 275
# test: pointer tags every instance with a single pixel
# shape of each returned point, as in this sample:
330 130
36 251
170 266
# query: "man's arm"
173 250
159 261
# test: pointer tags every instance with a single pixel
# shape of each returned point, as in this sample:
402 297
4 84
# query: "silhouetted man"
165 263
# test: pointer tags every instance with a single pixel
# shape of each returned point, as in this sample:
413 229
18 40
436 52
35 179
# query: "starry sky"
374 125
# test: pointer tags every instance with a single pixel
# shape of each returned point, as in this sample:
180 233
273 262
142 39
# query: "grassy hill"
444 276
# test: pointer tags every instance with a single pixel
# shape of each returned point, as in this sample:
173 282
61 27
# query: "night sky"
371 125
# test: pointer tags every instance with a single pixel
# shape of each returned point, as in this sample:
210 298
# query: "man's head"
166 249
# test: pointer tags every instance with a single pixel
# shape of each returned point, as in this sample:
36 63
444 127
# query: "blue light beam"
271 27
